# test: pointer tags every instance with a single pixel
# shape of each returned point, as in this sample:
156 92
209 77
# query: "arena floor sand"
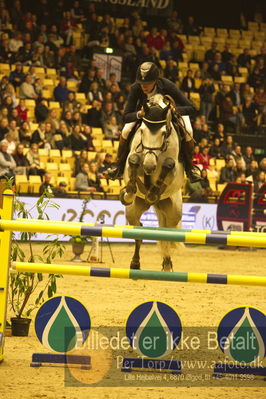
110 302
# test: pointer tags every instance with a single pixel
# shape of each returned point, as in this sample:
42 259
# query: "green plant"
24 285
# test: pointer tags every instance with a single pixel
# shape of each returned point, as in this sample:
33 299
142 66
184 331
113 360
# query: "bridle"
151 150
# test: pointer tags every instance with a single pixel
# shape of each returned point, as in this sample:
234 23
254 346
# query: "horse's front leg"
128 194
133 214
153 194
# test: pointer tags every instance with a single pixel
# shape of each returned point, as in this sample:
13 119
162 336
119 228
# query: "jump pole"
118 226
158 235
205 278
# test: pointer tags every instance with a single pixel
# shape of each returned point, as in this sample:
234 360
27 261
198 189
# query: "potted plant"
78 242
24 285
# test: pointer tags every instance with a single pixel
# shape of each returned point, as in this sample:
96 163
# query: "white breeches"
188 135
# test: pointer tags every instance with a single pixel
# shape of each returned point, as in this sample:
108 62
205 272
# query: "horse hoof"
167 265
122 198
167 268
134 266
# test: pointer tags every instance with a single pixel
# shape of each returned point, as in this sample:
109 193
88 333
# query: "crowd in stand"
38 38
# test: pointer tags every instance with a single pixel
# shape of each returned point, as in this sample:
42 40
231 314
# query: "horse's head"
154 130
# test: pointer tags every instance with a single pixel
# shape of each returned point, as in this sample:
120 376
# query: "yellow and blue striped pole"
139 234
205 278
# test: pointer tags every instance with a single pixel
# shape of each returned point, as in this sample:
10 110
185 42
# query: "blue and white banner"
195 216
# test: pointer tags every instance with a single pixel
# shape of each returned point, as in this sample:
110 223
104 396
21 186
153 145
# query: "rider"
147 84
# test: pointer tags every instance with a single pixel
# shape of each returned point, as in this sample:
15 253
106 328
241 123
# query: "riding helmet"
147 72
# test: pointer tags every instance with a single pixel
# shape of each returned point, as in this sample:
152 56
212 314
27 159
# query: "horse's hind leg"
133 214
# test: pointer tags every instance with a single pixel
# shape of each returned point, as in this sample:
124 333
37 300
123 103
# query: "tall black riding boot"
192 171
116 171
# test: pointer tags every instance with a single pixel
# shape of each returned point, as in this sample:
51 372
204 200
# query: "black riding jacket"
136 99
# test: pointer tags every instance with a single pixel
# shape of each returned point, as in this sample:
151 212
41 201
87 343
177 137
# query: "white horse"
154 175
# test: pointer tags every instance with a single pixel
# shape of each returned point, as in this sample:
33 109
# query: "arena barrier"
76 229
7 225
205 278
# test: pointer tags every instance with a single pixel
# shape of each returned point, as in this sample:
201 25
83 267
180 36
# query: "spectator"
7 163
22 111
206 91
197 194
61 91
205 183
236 155
94 114
87 133
252 169
191 28
259 181
80 160
77 141
61 190
111 128
27 89
196 155
33 158
228 172
10 142
71 99
106 164
3 128
41 110
171 71
82 181
263 164
250 113
210 54
219 62
16 77
227 147
240 167
235 95
94 93
215 150
197 131
93 178
46 186
220 134
188 83
38 136
204 157
215 73
52 119
230 115
244 59
226 54
25 134
87 80
13 129
21 160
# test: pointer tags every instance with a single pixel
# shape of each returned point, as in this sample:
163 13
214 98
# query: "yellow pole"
5 245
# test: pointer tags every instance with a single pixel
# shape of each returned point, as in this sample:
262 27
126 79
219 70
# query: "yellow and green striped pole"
205 278
117 226
129 233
